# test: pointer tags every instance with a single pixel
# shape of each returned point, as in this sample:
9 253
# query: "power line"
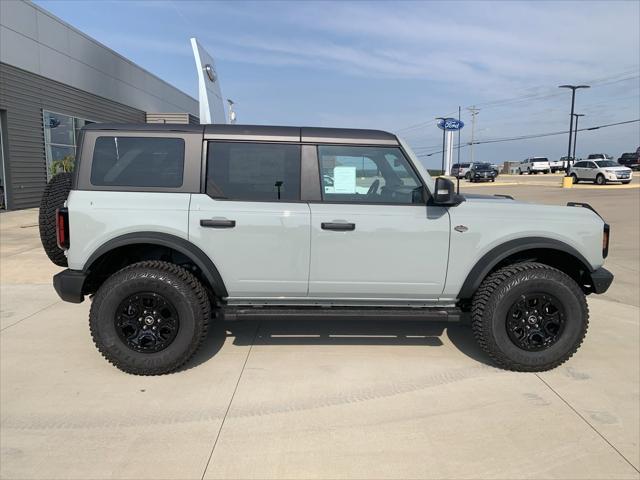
601 81
532 136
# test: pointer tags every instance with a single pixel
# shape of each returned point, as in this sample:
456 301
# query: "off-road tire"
496 294
600 180
574 178
176 284
54 195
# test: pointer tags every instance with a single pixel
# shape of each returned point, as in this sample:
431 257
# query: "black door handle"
210 223
339 226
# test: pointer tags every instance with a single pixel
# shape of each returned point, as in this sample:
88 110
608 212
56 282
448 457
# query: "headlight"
610 171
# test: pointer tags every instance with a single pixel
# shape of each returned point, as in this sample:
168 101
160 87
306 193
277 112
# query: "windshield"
607 163
482 166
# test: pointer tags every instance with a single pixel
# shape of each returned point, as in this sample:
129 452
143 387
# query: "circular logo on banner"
210 72
450 124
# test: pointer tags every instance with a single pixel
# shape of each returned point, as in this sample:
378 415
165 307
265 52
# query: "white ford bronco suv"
166 227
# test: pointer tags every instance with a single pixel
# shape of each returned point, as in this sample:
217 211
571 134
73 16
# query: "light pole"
232 112
443 139
575 135
573 101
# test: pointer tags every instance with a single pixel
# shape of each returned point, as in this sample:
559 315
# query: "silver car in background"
600 172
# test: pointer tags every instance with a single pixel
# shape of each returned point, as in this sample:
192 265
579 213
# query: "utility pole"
443 139
474 111
575 135
573 101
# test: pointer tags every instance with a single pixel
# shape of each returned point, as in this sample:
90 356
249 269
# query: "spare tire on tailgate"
54 196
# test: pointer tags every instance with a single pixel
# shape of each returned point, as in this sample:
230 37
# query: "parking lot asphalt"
321 398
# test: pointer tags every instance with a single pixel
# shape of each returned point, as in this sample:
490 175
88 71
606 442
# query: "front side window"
253 171
367 175
138 162
607 163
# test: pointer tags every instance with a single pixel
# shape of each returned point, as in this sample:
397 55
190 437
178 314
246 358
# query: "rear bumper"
68 285
601 279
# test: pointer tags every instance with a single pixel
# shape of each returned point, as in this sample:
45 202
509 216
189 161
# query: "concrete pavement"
316 398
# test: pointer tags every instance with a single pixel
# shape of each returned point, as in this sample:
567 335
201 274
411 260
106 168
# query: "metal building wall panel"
24 95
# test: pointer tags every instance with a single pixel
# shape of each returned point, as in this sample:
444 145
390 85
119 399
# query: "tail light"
62 228
605 240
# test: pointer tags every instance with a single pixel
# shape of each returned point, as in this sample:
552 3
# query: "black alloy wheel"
535 321
147 322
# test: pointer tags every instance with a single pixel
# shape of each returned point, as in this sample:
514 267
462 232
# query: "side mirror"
445 193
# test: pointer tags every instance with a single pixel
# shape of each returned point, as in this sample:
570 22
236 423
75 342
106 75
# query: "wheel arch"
133 247
549 251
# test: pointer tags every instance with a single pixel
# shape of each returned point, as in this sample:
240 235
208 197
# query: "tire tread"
203 302
479 304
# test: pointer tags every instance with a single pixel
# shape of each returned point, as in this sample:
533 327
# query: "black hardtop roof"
257 132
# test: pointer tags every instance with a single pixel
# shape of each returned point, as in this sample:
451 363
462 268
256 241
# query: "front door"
373 236
590 172
251 222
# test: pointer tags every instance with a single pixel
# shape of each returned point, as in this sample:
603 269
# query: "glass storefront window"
61 140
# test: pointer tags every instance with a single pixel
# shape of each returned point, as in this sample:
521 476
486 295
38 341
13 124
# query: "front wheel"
529 317
600 180
467 176
149 318
627 182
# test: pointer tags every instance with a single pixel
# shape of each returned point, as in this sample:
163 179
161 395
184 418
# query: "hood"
619 168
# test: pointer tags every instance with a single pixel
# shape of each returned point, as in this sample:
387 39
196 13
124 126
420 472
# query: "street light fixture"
443 140
575 135
573 101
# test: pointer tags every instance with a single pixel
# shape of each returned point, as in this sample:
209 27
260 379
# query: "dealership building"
53 80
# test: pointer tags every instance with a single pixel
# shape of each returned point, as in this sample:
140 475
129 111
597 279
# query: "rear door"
373 236
250 220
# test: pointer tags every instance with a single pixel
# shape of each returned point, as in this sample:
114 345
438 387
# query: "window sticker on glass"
344 179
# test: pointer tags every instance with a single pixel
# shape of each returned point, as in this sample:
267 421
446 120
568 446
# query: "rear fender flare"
188 249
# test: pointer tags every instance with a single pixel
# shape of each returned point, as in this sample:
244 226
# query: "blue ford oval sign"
450 124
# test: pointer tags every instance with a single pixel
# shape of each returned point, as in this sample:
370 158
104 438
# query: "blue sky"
397 65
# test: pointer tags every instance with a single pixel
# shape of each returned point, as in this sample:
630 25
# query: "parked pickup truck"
167 228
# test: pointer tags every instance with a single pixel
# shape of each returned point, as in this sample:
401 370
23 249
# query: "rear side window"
138 162
253 171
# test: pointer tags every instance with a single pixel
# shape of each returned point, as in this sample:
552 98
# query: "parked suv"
533 165
460 170
482 172
167 228
631 160
600 172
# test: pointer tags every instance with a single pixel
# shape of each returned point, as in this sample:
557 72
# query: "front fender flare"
494 256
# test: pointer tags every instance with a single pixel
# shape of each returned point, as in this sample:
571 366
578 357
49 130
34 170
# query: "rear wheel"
54 195
574 178
149 318
529 317
519 172
600 180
